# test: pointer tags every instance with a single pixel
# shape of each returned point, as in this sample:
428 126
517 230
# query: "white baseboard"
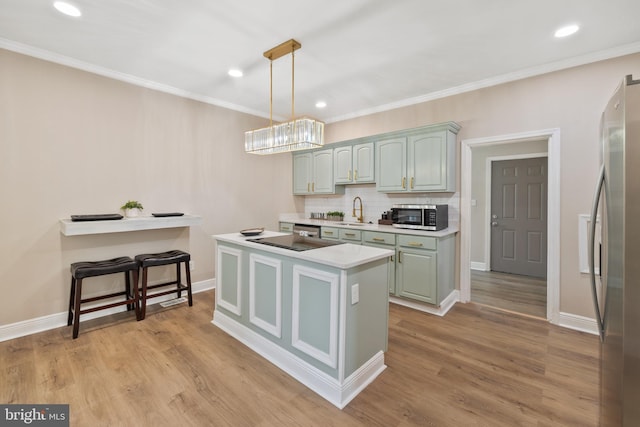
578 323
338 394
52 321
481 266
445 306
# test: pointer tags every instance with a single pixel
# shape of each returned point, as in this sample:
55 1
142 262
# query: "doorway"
471 212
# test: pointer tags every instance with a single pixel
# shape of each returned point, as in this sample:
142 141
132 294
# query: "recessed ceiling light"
67 8
566 31
321 104
234 72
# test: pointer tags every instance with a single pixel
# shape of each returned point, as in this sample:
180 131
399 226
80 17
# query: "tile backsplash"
375 203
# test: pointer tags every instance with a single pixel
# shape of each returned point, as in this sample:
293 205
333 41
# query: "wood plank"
474 367
520 294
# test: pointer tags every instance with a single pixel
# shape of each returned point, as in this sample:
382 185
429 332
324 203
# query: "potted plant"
132 208
335 216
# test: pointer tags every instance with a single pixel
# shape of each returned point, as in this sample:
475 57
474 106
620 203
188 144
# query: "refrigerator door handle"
592 238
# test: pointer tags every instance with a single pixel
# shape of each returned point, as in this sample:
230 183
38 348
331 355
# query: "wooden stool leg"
71 300
143 302
188 272
178 279
136 296
76 312
127 288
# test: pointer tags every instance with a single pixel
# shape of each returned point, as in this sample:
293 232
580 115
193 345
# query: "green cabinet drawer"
351 235
417 242
329 233
379 238
286 227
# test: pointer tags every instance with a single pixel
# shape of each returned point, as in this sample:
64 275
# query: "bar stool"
82 270
164 258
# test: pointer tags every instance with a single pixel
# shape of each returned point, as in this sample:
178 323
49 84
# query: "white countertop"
300 219
75 228
344 256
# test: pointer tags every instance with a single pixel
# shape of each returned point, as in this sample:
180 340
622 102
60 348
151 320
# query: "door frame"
488 182
553 211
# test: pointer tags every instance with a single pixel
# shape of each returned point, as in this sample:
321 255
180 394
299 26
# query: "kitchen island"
321 315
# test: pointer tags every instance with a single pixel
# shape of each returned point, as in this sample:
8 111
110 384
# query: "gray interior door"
519 216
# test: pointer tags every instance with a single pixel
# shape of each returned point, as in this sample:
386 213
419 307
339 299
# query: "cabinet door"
391 165
417 278
363 166
322 172
302 173
342 165
427 162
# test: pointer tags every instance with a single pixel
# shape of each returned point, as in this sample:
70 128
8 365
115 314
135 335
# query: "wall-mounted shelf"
77 228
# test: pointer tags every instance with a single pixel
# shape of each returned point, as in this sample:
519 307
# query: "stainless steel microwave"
420 217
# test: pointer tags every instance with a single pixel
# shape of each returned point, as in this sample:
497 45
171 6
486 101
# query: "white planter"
132 213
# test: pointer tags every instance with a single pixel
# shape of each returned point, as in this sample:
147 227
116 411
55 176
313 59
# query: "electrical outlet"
192 265
355 293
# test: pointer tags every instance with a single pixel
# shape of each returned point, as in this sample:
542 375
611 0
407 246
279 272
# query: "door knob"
494 216
494 224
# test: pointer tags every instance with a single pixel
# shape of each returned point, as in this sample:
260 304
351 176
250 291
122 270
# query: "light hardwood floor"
474 367
521 294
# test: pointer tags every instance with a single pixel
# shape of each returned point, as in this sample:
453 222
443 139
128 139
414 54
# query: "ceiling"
359 56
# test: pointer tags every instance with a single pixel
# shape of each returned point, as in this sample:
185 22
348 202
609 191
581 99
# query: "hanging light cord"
293 55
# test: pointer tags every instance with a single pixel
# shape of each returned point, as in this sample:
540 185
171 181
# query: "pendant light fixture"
297 134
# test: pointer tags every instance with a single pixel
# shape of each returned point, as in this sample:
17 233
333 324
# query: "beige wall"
72 142
571 100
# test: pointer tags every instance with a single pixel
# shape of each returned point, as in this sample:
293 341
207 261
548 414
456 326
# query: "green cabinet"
353 164
425 268
423 161
331 233
385 241
313 173
286 227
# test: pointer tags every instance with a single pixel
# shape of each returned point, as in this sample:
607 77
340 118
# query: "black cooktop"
295 242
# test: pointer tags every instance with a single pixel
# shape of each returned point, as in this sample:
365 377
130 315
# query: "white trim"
275 330
329 358
57 320
487 193
553 212
583 243
342 325
338 393
480 266
227 305
444 307
578 323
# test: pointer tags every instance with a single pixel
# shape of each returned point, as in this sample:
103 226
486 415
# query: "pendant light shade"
296 134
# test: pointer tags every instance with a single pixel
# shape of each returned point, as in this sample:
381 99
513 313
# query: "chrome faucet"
361 217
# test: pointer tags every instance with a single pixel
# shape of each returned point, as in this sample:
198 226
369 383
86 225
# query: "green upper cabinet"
391 165
353 164
422 161
313 172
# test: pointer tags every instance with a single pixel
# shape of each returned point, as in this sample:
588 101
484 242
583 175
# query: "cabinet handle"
308 186
330 233
404 181
412 183
378 239
350 234
313 187
355 175
391 258
399 257
417 244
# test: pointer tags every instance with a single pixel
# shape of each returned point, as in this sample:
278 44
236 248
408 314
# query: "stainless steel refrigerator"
616 292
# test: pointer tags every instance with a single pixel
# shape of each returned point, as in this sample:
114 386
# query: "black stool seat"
80 270
162 258
158 259
85 269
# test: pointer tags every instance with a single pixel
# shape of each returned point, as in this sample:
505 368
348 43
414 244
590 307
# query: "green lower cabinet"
331 233
286 227
417 274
